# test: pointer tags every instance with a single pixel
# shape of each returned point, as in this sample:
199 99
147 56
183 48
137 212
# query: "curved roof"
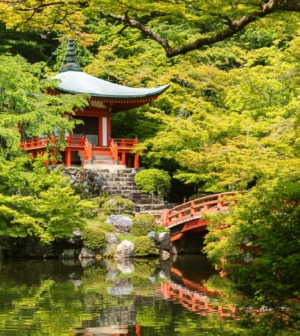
79 82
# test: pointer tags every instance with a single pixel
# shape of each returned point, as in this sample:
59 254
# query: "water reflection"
138 297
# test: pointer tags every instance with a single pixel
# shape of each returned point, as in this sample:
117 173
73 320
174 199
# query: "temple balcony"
79 151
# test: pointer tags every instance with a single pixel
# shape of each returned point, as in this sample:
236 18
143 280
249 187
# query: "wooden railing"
126 143
87 149
197 207
114 150
75 140
34 143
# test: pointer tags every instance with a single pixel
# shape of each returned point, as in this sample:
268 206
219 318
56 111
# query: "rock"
121 223
112 243
124 249
86 253
125 266
111 238
164 240
153 236
173 249
77 234
69 254
164 255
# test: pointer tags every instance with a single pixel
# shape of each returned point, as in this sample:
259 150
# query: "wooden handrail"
197 207
87 149
114 150
125 143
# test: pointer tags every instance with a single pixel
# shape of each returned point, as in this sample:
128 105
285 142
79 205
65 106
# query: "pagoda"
91 142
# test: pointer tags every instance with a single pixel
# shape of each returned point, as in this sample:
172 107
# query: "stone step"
103 162
102 157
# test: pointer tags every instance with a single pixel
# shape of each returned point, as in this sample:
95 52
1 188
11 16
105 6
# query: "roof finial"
71 58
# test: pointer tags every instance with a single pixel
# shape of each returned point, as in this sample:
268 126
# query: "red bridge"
188 217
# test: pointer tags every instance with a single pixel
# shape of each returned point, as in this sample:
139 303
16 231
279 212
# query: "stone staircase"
116 180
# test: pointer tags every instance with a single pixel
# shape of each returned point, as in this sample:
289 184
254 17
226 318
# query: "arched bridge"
188 217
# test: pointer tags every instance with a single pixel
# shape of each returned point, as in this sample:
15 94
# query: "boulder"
164 240
86 253
111 238
124 250
153 236
164 255
121 223
69 254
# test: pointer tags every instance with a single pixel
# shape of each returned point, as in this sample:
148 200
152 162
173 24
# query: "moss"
144 246
142 225
117 205
106 227
93 238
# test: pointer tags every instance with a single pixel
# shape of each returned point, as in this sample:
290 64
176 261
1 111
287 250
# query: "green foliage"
266 222
93 211
117 205
143 224
106 227
93 238
144 246
153 181
160 229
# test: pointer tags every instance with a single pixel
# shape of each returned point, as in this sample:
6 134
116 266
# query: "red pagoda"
91 142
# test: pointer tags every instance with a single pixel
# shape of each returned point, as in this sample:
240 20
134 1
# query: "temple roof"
80 82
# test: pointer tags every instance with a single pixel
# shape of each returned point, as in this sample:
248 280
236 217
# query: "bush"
93 238
92 211
106 227
153 181
160 229
144 246
117 205
143 224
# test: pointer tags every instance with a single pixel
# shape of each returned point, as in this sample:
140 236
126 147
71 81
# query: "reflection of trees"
56 299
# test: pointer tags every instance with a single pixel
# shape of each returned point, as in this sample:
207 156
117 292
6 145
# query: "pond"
137 297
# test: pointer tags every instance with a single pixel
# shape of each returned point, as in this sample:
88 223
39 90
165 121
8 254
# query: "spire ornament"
71 58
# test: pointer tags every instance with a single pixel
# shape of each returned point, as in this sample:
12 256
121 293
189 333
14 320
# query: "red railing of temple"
34 143
87 149
76 140
114 150
197 207
125 143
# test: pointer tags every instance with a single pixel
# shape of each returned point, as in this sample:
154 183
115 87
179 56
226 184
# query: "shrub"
143 224
160 229
93 238
106 227
153 181
144 246
117 205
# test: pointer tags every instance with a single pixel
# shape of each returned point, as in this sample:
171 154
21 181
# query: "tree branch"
233 26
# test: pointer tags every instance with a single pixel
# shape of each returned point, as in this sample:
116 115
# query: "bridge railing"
197 207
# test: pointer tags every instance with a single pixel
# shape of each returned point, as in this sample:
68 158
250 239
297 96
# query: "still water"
138 297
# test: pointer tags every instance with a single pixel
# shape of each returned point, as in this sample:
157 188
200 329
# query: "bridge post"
165 213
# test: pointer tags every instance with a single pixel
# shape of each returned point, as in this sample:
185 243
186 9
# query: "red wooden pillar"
123 158
128 161
136 161
68 158
138 330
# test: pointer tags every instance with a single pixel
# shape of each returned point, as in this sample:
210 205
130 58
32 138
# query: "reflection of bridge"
188 217
195 297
